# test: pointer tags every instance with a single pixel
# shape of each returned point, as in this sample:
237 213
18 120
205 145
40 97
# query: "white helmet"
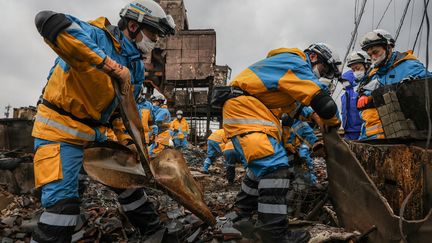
327 55
158 97
376 37
358 57
150 14
179 112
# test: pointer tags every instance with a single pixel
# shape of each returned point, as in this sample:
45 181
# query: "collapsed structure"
183 68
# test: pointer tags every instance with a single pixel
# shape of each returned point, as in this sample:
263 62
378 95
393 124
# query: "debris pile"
101 218
16 171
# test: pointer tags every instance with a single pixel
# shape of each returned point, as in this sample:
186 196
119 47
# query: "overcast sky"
246 30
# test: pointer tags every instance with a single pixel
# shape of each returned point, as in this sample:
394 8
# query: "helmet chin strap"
133 34
387 51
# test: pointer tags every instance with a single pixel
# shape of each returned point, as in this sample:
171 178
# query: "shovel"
115 165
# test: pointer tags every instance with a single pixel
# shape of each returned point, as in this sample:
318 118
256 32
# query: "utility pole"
7 110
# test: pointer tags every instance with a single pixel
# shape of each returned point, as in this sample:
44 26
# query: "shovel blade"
113 165
171 172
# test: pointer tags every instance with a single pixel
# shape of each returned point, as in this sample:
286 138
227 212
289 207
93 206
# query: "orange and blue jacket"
219 137
163 121
401 65
147 117
277 81
180 129
76 86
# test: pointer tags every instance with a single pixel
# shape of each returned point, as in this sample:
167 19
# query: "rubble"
102 220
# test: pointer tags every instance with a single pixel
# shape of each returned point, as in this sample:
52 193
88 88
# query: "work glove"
363 101
318 149
291 149
118 72
317 119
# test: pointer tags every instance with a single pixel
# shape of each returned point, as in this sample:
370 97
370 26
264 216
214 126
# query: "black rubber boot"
230 174
139 210
58 222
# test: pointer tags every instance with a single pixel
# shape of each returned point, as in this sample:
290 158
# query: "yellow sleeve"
120 131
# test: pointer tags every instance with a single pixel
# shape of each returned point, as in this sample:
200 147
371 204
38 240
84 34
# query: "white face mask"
316 71
359 75
145 45
376 62
179 117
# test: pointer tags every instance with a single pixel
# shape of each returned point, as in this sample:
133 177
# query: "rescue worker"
285 76
215 144
351 121
180 130
145 109
389 67
162 125
359 62
72 113
299 139
231 159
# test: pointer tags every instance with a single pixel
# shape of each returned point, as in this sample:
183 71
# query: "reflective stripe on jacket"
218 136
76 86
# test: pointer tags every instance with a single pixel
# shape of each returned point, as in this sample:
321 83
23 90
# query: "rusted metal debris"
103 221
114 165
16 171
395 170
358 202
172 173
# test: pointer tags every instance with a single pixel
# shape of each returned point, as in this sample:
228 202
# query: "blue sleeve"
307 133
406 69
344 110
306 112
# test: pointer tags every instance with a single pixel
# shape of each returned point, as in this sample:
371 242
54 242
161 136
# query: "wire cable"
394 16
427 107
402 20
410 27
427 95
382 17
420 42
420 28
373 13
354 32
353 36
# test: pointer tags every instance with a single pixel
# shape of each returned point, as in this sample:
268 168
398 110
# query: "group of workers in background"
267 121
376 65
160 130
